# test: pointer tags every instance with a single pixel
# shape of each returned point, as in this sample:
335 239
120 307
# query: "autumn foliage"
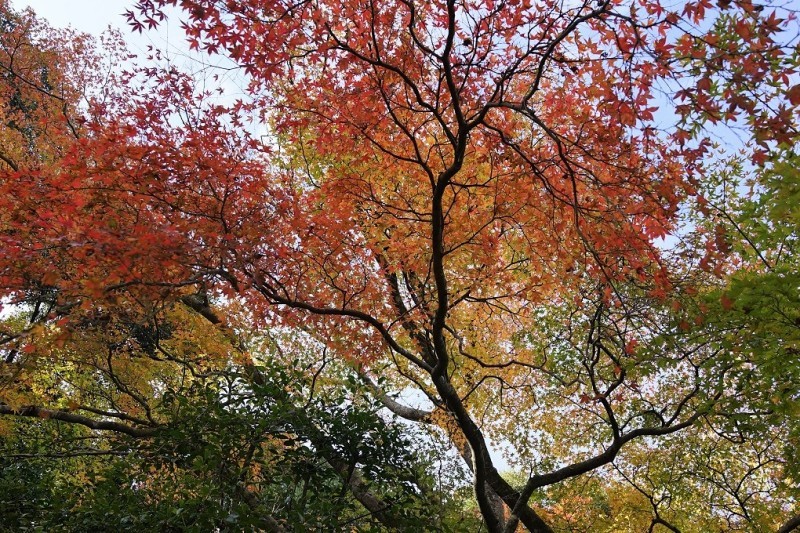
476 201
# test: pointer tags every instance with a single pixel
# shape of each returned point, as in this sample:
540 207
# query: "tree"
228 454
108 388
463 198
752 311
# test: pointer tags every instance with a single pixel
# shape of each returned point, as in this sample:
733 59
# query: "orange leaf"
793 95
726 302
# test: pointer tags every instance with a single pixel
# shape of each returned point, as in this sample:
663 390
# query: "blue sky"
95 16
91 16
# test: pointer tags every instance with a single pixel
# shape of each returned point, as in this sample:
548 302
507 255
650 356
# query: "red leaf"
704 84
793 95
726 302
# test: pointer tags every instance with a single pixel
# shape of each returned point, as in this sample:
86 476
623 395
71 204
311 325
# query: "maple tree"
142 365
464 198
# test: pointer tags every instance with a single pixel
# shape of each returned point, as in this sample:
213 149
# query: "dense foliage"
565 228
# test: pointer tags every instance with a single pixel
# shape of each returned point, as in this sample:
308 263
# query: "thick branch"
403 411
273 296
355 481
10 162
66 416
484 471
793 524
360 490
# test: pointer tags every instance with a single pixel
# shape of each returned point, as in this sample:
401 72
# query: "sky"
91 16
96 16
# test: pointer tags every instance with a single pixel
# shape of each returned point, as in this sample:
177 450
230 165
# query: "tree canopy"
562 229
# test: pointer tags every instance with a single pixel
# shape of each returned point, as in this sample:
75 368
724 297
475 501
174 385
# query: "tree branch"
72 418
792 524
